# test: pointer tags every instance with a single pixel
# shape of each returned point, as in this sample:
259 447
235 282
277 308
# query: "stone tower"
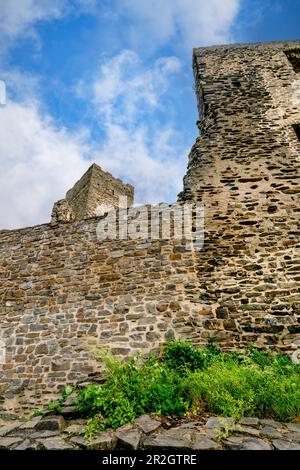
245 166
95 189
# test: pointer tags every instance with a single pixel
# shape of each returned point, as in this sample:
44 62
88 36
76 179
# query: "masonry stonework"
245 167
91 195
62 289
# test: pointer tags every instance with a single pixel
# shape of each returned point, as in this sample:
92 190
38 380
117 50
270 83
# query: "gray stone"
249 421
204 443
54 443
216 426
128 437
44 434
292 436
271 422
75 429
70 412
30 425
8 442
4 430
219 423
247 430
26 445
79 441
179 437
270 432
103 441
241 443
165 442
280 444
147 424
294 427
53 423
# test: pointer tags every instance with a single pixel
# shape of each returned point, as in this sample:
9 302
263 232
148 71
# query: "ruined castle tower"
245 166
95 189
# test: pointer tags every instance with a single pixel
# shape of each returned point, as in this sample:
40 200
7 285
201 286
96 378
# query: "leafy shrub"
187 379
37 412
56 406
232 389
183 356
133 390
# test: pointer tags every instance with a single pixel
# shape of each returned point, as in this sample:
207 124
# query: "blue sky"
109 81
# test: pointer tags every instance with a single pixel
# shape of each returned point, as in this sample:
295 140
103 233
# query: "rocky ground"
212 433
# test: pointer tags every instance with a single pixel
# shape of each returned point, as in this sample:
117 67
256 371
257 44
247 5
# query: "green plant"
56 406
130 391
38 412
230 388
183 356
186 379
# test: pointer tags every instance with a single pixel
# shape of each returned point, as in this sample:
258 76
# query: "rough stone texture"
95 188
103 441
285 445
9 442
294 427
147 424
204 443
179 437
54 443
74 429
129 437
185 435
27 445
249 421
164 441
270 432
250 430
79 442
245 167
249 443
8 429
61 289
55 423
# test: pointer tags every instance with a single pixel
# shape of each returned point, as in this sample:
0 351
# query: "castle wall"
110 190
95 188
245 167
61 289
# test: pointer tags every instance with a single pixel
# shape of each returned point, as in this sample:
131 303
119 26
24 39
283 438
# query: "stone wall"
95 188
61 288
245 167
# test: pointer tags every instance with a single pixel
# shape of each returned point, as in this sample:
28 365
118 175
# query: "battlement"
95 189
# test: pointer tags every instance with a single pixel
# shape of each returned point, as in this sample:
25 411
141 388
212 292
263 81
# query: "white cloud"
124 83
19 17
126 96
38 163
153 162
192 23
